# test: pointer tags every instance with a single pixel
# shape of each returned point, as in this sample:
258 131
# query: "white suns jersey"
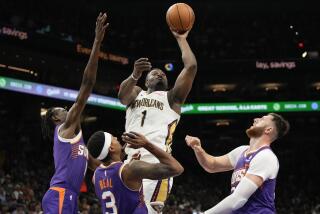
152 116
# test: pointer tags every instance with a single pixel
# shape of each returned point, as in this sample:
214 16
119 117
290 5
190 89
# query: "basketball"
180 17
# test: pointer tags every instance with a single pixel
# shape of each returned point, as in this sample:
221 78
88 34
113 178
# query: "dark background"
228 38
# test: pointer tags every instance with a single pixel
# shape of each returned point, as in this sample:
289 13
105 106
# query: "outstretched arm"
128 90
138 170
183 84
72 122
247 186
208 162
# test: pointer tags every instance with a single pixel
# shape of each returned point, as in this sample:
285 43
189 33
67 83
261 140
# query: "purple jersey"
115 197
262 201
70 160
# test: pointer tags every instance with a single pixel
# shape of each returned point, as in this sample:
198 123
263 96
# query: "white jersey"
152 116
256 163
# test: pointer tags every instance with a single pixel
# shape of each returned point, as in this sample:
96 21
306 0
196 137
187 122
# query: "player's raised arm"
88 81
183 84
208 162
138 170
128 90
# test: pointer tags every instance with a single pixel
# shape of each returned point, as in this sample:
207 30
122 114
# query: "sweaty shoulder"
265 164
235 154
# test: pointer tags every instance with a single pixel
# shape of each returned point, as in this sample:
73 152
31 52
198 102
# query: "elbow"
120 94
193 67
178 170
209 169
123 101
121 98
238 201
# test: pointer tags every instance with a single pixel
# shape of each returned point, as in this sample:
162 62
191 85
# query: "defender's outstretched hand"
101 26
193 142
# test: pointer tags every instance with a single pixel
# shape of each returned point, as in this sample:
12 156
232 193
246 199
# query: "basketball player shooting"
155 112
255 168
119 186
69 150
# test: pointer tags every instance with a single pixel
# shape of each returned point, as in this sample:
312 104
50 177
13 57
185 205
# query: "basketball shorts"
156 191
59 200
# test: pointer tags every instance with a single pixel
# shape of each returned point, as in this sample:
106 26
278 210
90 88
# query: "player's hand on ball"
135 140
180 36
193 142
140 66
101 26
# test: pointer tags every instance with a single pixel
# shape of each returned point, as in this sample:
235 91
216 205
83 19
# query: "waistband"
61 188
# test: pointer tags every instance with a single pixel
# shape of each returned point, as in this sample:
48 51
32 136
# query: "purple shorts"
59 200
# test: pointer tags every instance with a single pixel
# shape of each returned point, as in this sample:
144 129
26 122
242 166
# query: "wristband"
136 79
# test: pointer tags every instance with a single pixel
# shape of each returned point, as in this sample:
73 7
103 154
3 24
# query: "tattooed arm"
135 171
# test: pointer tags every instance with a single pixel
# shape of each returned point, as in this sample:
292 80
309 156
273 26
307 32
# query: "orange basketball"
180 17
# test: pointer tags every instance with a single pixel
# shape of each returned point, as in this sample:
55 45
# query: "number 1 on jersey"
143 117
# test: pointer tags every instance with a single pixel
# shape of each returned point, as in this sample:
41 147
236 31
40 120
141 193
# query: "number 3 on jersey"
111 202
144 113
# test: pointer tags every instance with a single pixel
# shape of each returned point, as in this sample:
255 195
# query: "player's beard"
160 86
255 132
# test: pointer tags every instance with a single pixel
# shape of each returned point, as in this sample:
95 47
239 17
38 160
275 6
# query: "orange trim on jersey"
62 192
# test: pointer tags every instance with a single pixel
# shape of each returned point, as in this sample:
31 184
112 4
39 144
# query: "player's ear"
268 130
146 83
112 148
55 118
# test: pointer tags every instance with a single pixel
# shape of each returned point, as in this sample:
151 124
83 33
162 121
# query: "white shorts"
156 191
